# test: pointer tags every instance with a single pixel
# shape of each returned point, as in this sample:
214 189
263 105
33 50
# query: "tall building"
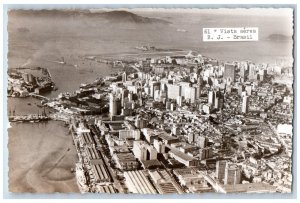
173 106
174 91
154 85
206 153
30 78
179 101
157 95
232 174
198 87
252 72
168 105
243 70
245 105
184 86
114 105
202 141
248 89
217 97
144 151
211 97
217 103
262 75
163 86
192 137
124 77
25 77
190 94
220 170
229 71
240 89
124 95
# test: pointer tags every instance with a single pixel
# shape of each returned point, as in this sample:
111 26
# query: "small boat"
29 104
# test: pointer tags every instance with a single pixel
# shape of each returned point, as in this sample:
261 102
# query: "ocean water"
41 159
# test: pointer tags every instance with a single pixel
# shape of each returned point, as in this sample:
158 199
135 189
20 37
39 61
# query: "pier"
28 118
37 96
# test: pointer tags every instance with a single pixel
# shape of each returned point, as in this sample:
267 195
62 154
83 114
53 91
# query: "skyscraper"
220 170
248 89
154 85
262 75
124 77
229 71
184 86
243 70
179 101
240 88
232 174
190 94
198 86
217 103
202 141
245 104
174 91
217 96
252 72
124 95
211 98
114 105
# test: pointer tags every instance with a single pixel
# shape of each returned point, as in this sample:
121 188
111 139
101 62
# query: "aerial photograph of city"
150 100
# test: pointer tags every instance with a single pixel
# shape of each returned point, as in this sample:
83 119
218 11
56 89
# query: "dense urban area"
175 124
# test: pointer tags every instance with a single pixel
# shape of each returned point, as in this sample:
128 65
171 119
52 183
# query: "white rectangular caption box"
230 34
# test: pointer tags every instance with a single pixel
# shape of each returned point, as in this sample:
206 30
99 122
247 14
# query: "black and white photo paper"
150 100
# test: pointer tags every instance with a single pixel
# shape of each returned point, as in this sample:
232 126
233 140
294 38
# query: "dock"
28 118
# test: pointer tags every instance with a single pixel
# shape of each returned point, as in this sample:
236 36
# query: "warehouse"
100 173
137 182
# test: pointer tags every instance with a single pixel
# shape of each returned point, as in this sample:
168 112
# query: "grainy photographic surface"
150 101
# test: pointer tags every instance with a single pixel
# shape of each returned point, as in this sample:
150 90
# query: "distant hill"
117 16
279 37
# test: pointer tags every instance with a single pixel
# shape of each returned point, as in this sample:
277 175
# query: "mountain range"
116 16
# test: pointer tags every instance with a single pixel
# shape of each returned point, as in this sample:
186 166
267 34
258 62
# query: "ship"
81 179
59 62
